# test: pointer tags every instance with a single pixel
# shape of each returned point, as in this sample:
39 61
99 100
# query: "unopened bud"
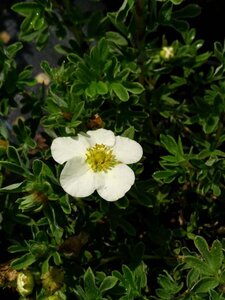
167 53
25 283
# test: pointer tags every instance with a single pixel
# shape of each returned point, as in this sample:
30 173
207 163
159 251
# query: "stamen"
101 158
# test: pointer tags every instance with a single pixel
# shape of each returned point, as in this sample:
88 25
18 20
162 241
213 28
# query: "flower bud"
167 53
53 279
25 283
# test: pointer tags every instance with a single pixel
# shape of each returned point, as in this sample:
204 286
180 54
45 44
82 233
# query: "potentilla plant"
112 160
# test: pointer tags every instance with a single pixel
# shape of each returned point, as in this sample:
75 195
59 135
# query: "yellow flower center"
100 158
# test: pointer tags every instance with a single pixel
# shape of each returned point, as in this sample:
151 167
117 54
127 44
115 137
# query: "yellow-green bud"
167 53
53 279
25 283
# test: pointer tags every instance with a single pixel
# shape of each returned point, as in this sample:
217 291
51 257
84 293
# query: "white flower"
96 161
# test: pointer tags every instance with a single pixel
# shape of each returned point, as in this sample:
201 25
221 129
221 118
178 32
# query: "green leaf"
120 91
169 143
128 276
210 124
90 287
189 11
56 230
23 262
13 188
14 48
216 255
101 88
176 2
192 277
206 284
26 8
79 108
15 168
65 204
203 248
108 283
134 87
129 132
166 176
140 273
13 155
195 263
116 38
37 167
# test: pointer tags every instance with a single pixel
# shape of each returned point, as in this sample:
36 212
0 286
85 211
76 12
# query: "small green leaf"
108 283
134 87
176 2
14 168
90 287
169 143
13 188
65 204
216 255
120 91
101 88
189 11
116 38
206 284
23 262
210 124
14 48
26 8
129 132
37 167
201 266
166 176
192 277
203 248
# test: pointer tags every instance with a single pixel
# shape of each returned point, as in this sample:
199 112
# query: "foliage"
141 71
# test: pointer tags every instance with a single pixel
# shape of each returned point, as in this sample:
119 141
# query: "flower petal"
65 148
127 151
101 136
77 179
116 183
